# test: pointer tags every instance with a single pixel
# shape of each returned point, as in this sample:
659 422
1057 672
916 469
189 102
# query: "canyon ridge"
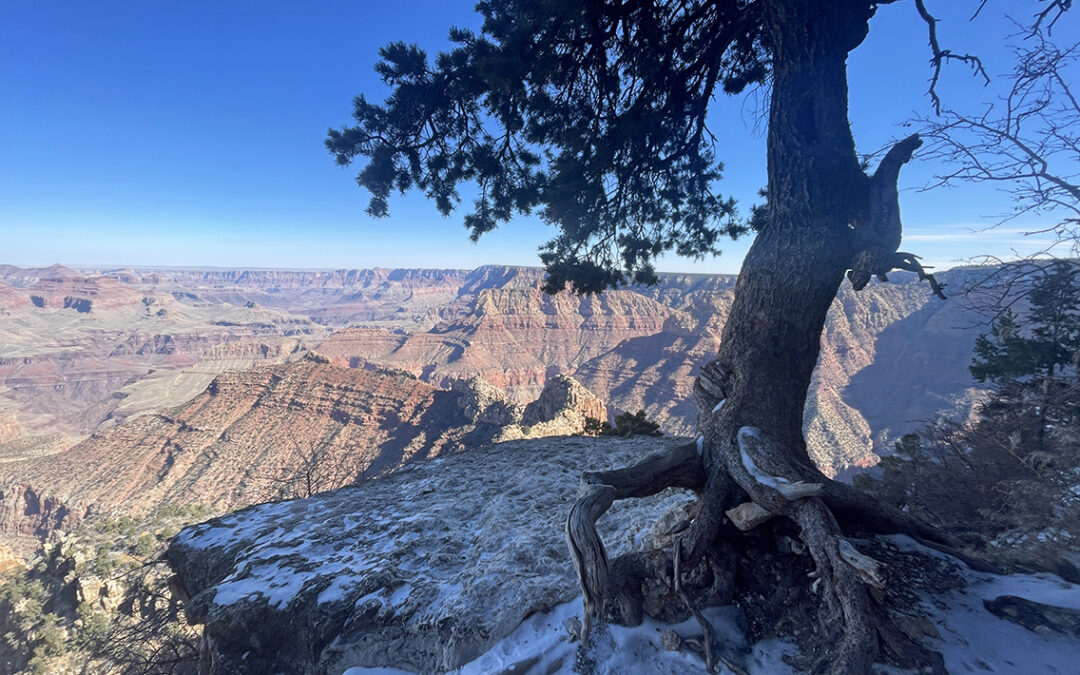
129 388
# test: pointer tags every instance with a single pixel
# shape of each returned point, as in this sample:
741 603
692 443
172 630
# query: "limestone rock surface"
423 569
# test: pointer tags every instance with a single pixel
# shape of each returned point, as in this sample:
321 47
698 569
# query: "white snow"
700 445
972 639
748 462
716 408
541 645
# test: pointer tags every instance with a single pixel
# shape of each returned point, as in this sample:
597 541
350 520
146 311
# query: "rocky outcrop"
563 396
484 403
8 560
81 294
233 444
24 510
412 298
640 349
513 336
424 569
891 355
10 429
273 432
562 409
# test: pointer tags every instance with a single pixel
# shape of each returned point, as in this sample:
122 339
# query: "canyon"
130 388
272 432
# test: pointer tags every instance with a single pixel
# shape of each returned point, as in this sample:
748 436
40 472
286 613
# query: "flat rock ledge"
424 569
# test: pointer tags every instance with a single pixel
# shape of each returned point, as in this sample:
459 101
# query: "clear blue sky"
191 133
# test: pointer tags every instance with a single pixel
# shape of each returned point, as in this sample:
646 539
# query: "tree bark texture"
753 455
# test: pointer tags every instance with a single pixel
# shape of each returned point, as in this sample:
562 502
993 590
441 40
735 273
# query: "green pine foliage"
1052 338
1003 354
626 424
97 600
592 116
1007 482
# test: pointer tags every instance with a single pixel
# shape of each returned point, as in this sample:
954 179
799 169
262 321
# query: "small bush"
626 425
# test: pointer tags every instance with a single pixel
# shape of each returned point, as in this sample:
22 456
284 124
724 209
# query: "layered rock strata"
269 432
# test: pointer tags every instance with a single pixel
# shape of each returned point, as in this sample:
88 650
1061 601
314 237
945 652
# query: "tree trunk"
753 393
794 268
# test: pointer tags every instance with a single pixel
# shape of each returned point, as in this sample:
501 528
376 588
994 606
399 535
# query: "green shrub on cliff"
626 424
97 600
1008 481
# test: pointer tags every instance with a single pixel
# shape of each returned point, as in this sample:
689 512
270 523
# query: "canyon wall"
271 432
153 371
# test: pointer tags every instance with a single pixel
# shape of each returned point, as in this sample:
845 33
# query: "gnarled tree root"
854 623
708 632
861 627
680 467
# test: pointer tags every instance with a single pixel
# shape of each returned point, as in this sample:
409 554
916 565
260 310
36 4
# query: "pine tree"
594 116
1055 318
1053 323
1003 354
1009 476
1027 371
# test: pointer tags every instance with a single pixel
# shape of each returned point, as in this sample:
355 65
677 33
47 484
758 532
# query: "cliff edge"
424 569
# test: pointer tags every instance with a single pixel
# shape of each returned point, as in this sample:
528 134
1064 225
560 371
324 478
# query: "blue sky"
191 133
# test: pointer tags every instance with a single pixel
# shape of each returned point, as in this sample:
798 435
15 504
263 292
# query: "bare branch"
1053 11
941 55
1028 141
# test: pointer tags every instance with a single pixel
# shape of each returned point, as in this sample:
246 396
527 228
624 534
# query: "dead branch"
587 550
940 56
910 262
679 467
1027 140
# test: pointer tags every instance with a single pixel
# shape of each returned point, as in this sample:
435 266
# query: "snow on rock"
423 570
971 639
540 645
748 462
458 564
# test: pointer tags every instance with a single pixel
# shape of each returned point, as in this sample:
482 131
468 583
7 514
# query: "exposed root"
709 634
866 566
848 628
860 627
587 550
680 467
847 614
843 576
855 509
773 485
706 627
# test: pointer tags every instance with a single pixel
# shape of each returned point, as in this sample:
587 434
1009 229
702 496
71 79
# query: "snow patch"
541 645
716 408
748 462
972 639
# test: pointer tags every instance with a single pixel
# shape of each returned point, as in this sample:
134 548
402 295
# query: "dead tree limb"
679 467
